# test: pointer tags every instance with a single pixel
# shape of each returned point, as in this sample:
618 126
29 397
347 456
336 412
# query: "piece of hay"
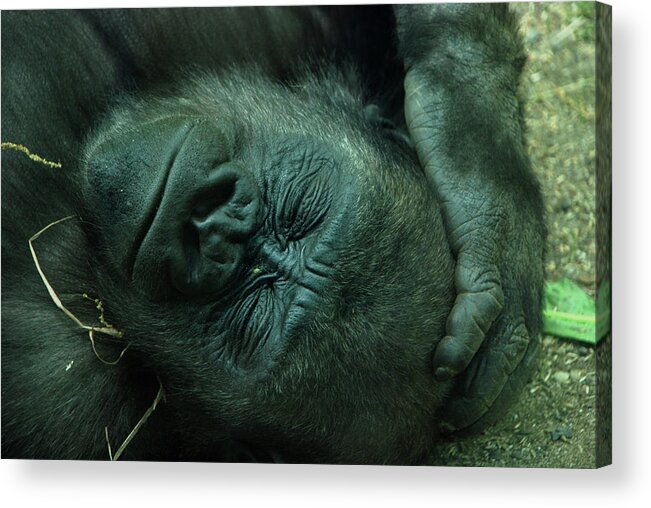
91 337
22 148
106 329
100 307
160 395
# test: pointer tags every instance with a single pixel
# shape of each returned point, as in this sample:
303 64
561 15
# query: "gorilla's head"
273 252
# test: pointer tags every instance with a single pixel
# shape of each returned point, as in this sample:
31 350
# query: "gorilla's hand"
463 64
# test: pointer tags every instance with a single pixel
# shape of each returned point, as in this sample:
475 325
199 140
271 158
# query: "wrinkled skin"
314 266
463 61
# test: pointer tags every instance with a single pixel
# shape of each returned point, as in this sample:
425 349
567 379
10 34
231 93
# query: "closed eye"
306 196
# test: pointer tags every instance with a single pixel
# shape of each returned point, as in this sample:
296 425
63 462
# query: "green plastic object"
569 312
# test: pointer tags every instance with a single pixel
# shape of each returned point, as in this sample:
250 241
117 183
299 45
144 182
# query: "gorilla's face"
286 247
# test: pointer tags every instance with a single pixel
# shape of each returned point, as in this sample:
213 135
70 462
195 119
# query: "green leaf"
569 312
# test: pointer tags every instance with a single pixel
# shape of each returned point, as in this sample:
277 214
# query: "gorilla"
302 234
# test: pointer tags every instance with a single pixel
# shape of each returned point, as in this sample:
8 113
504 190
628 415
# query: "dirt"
554 422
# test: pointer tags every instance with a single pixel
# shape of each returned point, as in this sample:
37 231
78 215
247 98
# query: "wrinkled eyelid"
303 207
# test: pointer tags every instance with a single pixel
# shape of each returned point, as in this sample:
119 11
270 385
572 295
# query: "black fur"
285 276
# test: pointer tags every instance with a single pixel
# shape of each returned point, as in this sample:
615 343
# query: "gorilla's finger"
422 110
514 385
486 378
479 302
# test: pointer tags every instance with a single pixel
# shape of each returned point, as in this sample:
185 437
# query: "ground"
554 422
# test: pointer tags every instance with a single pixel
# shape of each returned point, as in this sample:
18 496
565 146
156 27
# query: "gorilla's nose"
227 207
209 208
225 214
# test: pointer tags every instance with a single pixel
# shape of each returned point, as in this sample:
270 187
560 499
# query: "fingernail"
443 374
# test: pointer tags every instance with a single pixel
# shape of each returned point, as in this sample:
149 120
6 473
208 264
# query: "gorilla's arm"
463 63
161 45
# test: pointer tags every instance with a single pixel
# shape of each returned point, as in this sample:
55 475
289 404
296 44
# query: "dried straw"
159 396
107 329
